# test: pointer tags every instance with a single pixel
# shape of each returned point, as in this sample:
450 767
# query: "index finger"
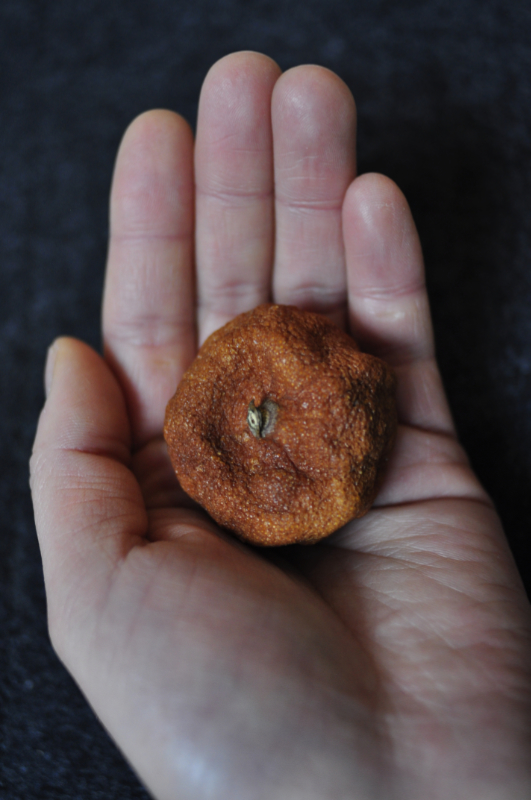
149 307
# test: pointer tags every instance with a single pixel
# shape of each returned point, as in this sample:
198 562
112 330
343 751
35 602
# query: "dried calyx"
261 419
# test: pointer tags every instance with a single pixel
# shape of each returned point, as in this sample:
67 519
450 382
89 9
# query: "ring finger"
314 128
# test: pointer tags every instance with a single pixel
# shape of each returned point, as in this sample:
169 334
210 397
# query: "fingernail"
48 369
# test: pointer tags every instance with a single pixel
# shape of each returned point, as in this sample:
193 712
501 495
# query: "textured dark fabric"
443 89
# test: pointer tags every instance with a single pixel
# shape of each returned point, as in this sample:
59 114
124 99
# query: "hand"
389 661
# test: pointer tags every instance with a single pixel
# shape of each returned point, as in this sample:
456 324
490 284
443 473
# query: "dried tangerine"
281 426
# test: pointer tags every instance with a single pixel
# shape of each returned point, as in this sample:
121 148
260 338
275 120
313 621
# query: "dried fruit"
281 426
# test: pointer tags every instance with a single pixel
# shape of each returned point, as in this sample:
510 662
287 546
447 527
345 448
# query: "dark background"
444 100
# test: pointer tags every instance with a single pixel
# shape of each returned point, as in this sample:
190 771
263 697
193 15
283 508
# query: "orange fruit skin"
320 465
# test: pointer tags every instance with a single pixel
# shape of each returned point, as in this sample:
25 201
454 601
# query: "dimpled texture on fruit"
281 427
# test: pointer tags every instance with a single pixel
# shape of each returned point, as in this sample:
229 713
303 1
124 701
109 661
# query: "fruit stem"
261 420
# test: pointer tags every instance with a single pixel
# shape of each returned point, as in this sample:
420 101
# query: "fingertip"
236 90
248 62
155 135
61 351
85 408
377 180
153 169
154 123
319 76
303 90
371 193
381 240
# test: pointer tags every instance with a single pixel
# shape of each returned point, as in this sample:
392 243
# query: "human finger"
149 307
314 129
234 188
388 303
89 510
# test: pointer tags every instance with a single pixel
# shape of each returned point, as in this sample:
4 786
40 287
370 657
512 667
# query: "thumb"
88 506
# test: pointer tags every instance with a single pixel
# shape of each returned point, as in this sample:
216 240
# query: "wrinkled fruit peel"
281 427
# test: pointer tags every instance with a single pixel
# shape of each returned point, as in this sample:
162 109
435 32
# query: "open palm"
392 660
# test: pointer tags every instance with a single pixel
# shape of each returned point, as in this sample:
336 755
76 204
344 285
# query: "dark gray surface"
444 100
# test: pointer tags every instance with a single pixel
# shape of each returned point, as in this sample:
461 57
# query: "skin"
390 661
